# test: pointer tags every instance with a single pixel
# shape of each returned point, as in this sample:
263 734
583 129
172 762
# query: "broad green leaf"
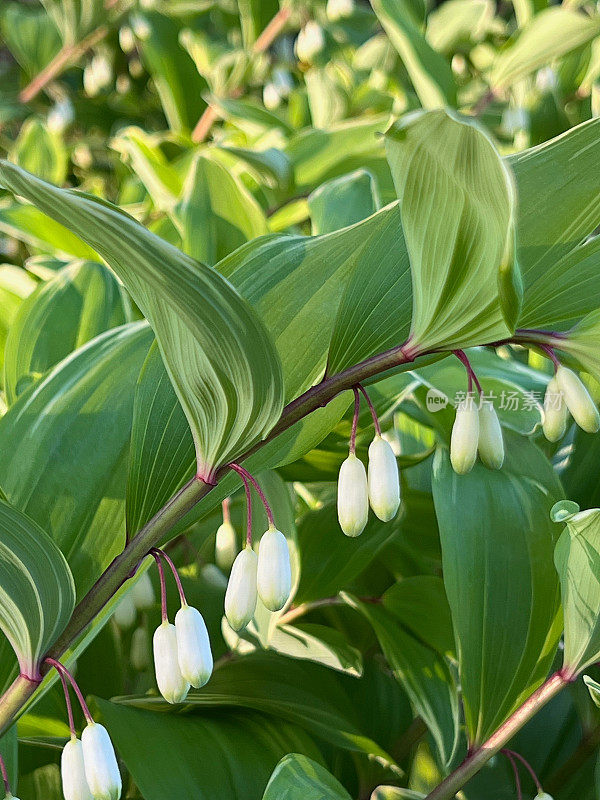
178 82
43 783
429 71
295 691
593 688
9 750
28 224
343 201
254 115
583 343
577 559
297 777
41 151
70 476
218 354
422 672
82 300
497 542
228 756
330 560
318 643
580 477
15 285
37 596
551 34
559 267
460 22
420 604
31 36
457 201
216 213
272 165
326 98
255 15
396 793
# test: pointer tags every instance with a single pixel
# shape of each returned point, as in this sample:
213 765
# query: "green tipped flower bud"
142 593
125 614
543 796
353 496
139 654
490 443
241 594
578 400
101 768
171 683
465 436
556 413
193 646
225 546
384 483
274 577
72 772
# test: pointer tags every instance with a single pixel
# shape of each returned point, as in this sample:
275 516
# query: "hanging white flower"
353 496
241 594
383 480
72 771
100 761
171 683
274 575
194 654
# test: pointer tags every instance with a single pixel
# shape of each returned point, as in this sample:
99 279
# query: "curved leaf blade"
297 777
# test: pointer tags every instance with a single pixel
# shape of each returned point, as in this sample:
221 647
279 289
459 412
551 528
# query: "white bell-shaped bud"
226 546
465 436
171 683
310 41
241 594
271 96
339 9
556 413
101 768
72 771
543 796
125 614
274 576
578 400
142 593
490 443
384 482
193 646
353 496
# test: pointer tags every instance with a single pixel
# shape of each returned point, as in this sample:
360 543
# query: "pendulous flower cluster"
567 386
476 430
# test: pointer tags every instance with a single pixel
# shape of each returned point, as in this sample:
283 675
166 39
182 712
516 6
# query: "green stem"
476 760
14 698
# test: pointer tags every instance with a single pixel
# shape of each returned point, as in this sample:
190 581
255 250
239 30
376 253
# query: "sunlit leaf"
297 777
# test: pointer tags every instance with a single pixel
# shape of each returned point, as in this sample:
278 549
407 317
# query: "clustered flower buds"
310 42
267 575
182 652
89 769
567 386
356 490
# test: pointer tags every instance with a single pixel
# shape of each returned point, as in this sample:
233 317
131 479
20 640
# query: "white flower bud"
142 593
384 483
310 41
72 770
241 594
556 413
101 768
125 613
139 655
225 545
578 400
543 796
271 96
339 9
193 646
490 443
171 683
353 496
465 436
274 578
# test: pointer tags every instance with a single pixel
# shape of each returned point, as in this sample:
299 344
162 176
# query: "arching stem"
376 424
169 561
163 584
248 477
527 765
5 779
354 421
472 377
508 754
69 705
62 670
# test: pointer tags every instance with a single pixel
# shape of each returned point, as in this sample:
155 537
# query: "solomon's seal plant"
326 273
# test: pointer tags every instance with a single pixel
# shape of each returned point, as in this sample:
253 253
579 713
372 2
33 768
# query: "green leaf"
70 477
457 201
319 644
429 71
559 267
228 756
456 23
9 751
423 673
82 300
28 224
497 542
178 82
420 604
31 36
593 688
37 596
583 343
43 783
41 151
220 358
577 559
216 213
551 34
297 777
295 691
15 286
255 15
343 201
